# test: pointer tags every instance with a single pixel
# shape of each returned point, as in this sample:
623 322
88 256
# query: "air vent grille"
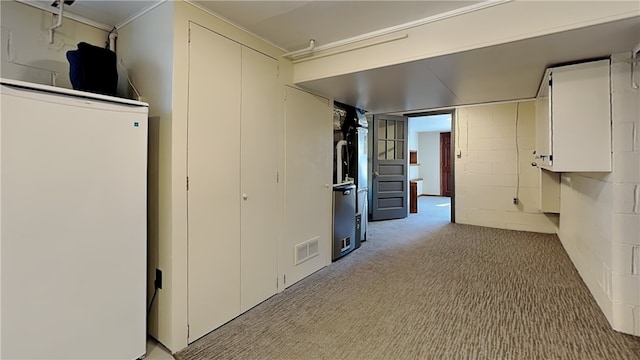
306 250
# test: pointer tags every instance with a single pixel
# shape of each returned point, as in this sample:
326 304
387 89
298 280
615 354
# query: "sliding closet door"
259 219
214 181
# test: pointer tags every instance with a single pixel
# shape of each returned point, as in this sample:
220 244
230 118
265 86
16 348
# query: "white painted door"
259 187
308 177
213 153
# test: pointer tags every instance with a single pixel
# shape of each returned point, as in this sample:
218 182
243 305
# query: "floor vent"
306 250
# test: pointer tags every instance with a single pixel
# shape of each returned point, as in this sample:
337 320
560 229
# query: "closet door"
309 168
213 153
259 163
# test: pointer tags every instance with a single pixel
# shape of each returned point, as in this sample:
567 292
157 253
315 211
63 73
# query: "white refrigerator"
73 224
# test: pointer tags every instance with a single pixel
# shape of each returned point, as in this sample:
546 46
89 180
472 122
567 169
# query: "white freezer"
73 224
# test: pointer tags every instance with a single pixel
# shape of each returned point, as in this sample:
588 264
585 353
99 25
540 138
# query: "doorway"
431 169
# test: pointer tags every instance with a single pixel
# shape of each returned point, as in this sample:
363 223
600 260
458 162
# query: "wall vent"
306 250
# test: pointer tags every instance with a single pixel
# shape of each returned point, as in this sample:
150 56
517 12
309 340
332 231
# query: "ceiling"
503 72
288 24
110 14
498 73
291 24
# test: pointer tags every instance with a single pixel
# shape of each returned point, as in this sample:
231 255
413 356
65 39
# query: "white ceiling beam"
508 22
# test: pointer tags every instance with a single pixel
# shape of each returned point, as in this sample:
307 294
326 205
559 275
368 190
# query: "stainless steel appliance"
352 160
344 218
361 157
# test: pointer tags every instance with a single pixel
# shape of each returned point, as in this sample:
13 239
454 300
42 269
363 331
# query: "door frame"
454 130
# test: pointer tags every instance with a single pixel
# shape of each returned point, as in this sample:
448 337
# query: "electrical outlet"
515 201
158 282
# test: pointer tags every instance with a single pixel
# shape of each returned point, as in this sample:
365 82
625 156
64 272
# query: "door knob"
245 196
375 173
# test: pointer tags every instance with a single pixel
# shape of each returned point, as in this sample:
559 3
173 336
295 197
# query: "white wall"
429 159
414 142
600 215
26 52
486 173
146 51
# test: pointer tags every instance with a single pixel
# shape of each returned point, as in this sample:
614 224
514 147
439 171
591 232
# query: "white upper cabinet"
573 118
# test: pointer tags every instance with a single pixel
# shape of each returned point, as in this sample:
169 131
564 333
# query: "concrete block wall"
625 179
585 230
490 169
600 215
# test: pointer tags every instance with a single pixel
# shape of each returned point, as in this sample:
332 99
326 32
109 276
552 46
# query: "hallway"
424 288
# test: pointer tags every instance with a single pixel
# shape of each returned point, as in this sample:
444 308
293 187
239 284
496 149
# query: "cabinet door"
259 164
213 153
543 127
581 121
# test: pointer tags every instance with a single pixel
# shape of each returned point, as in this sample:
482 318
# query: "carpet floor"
423 288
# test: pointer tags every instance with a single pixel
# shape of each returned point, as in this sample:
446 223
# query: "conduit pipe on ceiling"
58 23
112 40
305 51
481 5
362 46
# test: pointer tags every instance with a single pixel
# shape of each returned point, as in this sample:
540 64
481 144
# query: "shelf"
413 198
413 157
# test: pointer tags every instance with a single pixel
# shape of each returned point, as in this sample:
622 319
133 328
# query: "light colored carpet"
422 288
